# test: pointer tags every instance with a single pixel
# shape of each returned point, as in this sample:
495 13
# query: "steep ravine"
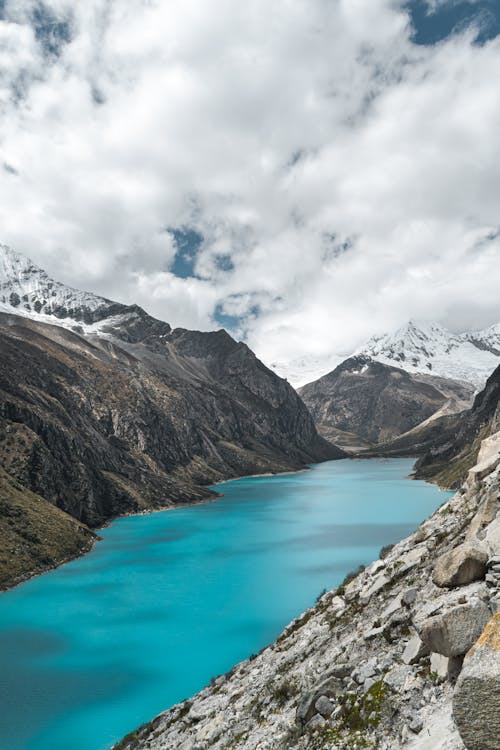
378 662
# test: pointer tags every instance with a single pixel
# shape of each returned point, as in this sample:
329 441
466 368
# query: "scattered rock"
317 722
415 650
409 597
306 709
378 583
460 566
396 678
416 725
324 706
439 665
476 700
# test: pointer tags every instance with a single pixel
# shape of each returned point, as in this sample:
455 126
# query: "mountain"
28 291
431 349
455 448
363 402
105 410
424 349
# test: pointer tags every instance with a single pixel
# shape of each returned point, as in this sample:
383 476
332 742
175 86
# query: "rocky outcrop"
462 565
453 632
476 700
363 402
456 441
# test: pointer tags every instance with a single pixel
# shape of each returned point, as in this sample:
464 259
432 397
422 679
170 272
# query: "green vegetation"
359 715
34 534
284 691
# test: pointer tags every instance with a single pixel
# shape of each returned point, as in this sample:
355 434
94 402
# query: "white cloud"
348 178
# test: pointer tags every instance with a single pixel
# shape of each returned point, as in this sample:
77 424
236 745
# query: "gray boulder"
439 666
415 649
453 632
307 704
324 706
460 566
476 700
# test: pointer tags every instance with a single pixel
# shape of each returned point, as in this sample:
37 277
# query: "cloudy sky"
302 172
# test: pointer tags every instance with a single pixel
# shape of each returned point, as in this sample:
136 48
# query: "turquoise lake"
168 600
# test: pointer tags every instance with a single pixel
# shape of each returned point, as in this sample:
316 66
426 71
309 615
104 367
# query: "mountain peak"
427 347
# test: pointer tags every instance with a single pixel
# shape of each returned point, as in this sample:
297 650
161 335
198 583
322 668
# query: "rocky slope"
114 412
405 655
363 402
455 447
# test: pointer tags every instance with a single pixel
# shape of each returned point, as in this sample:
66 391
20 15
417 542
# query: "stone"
375 567
373 633
476 699
439 665
379 582
369 669
306 709
397 677
368 683
460 566
393 606
453 632
416 725
454 667
415 649
409 596
340 670
317 722
324 706
492 535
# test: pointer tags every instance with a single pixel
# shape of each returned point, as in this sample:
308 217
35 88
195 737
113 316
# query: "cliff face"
395 658
363 402
455 444
100 425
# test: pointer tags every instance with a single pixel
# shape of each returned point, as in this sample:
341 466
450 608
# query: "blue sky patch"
188 242
229 322
452 17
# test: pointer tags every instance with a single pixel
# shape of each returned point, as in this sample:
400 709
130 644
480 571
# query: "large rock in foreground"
476 701
460 566
453 632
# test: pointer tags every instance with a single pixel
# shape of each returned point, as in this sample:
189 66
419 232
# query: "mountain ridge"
363 402
417 348
114 412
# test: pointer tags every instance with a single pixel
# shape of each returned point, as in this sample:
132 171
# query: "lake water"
168 600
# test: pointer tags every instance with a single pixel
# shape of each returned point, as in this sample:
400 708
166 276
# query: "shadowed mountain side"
363 402
101 427
455 447
35 535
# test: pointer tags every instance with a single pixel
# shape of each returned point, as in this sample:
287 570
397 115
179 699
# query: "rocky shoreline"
404 655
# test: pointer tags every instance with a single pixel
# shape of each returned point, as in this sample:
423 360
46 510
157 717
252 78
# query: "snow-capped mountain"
27 290
432 349
426 348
